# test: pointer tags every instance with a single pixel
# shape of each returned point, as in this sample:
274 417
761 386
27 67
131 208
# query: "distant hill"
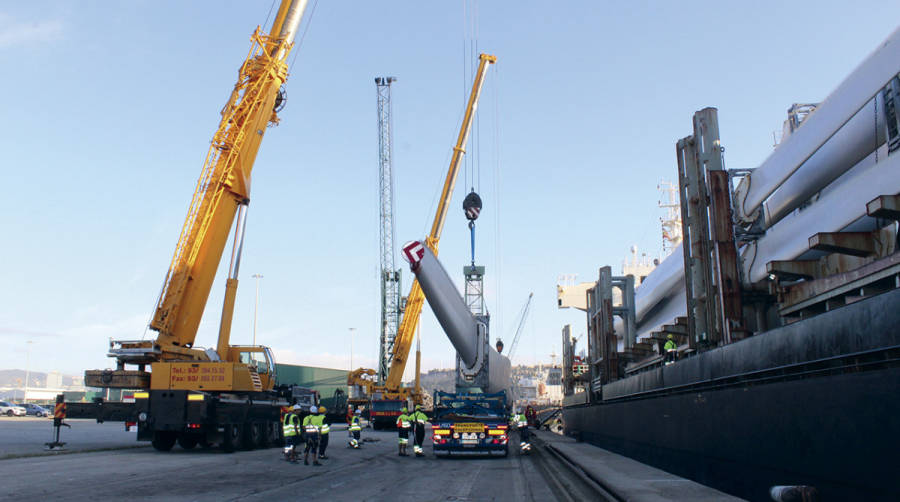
16 378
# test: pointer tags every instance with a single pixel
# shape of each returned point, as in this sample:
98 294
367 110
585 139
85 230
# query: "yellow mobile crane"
392 389
223 395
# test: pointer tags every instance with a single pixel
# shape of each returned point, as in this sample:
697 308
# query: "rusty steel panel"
851 243
884 206
794 269
722 235
800 295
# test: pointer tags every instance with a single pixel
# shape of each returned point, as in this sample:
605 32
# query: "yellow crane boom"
416 297
222 194
224 186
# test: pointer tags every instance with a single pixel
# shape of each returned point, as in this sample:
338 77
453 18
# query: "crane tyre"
231 438
264 434
187 442
275 434
251 437
163 440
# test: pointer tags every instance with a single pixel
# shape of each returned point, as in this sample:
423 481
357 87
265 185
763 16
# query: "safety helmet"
321 409
358 411
418 407
404 410
670 337
297 407
313 410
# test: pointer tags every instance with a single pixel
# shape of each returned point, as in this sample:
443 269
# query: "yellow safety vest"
323 427
354 424
289 426
403 421
310 425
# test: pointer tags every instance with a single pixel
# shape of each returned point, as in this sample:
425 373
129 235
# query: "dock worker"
531 415
404 422
418 420
311 433
290 426
671 349
355 428
324 429
520 422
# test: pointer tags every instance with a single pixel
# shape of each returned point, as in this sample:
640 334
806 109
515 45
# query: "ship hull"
816 402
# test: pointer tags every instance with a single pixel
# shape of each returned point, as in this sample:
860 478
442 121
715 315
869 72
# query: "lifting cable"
299 44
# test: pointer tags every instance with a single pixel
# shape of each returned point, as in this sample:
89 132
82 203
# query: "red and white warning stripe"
413 252
472 212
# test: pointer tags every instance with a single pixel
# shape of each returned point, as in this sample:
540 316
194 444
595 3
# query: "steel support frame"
568 361
713 286
602 339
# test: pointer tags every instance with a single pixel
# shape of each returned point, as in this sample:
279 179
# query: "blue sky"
108 110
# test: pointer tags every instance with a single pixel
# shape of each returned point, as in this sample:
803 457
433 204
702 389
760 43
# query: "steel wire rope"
497 186
303 35
269 14
875 103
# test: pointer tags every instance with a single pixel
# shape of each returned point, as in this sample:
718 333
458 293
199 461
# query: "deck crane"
392 388
522 317
223 395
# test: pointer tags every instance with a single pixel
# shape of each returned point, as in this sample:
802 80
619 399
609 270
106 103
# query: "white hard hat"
298 407
313 409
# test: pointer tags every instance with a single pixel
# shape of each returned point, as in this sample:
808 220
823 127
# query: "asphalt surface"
374 472
25 436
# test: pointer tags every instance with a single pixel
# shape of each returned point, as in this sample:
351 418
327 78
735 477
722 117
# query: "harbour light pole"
351 347
256 308
27 370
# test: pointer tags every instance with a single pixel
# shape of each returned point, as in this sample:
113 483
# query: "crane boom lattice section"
390 276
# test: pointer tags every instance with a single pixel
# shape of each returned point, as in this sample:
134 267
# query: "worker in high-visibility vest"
324 429
355 428
520 421
671 349
418 420
311 434
290 426
403 425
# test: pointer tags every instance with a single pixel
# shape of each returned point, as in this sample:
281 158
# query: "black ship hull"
816 403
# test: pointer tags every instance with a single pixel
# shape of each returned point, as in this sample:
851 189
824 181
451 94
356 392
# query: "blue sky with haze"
108 109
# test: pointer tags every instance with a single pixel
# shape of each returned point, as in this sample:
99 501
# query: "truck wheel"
263 434
163 440
252 436
187 442
231 438
275 432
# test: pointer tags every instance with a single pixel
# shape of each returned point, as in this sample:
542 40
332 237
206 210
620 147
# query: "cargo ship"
786 326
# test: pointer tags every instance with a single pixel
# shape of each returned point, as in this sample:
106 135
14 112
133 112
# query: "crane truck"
387 398
473 420
226 394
